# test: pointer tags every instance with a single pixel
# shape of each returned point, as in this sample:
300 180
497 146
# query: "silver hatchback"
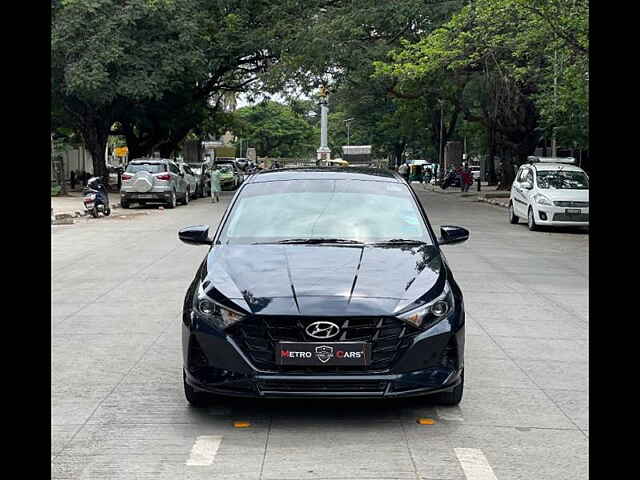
153 180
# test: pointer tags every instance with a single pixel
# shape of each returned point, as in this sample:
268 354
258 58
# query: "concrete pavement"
118 410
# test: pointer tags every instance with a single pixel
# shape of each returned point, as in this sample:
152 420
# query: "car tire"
124 203
531 221
186 198
451 398
195 398
513 218
173 202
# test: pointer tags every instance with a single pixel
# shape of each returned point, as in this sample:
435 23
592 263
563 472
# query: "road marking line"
204 450
450 415
474 464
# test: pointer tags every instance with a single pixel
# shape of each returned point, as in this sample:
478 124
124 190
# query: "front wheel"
124 203
107 212
531 221
186 198
513 218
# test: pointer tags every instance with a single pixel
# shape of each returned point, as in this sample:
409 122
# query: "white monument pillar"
324 153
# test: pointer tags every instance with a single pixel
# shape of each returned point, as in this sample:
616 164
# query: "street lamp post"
348 124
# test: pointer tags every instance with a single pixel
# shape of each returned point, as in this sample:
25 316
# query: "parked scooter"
96 199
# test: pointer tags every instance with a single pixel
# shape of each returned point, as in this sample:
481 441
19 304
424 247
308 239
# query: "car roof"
325 173
555 166
150 160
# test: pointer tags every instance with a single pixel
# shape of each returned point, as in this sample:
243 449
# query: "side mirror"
196 235
452 234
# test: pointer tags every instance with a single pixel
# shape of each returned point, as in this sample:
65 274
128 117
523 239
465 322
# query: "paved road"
118 409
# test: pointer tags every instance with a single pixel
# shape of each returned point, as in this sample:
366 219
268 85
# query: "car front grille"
570 217
571 204
388 336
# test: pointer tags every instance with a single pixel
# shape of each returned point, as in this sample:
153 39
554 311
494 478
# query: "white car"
551 192
190 178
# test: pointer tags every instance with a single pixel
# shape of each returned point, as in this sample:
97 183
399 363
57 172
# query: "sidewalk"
64 209
487 194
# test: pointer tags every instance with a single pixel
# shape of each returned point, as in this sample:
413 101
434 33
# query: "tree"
510 50
157 66
275 130
108 55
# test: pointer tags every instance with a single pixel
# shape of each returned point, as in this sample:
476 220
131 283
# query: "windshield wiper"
399 241
315 241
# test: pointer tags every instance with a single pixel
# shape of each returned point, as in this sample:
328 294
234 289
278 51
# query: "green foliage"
275 130
540 47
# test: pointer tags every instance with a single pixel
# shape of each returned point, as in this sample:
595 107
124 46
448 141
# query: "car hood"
322 280
566 194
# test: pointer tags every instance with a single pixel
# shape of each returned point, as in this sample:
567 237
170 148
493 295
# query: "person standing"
73 180
215 185
467 178
403 170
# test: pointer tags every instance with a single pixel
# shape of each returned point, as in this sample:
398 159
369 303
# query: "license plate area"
319 354
145 196
572 211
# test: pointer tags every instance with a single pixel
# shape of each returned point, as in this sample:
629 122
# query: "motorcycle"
450 180
96 199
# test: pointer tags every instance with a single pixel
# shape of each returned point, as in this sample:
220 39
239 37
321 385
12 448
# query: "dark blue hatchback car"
324 283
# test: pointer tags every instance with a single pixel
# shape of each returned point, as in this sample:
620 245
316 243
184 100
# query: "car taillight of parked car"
126 176
164 176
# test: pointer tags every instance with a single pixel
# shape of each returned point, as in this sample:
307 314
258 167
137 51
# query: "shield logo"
324 353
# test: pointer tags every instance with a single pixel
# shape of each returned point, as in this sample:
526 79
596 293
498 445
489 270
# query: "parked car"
242 163
191 178
324 282
201 172
230 176
550 191
153 180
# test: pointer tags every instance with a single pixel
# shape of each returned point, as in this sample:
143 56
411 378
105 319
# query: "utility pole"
440 153
555 101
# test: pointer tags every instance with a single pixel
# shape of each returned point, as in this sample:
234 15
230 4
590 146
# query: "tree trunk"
95 133
508 172
490 166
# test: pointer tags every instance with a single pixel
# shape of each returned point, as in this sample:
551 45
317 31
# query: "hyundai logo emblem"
322 330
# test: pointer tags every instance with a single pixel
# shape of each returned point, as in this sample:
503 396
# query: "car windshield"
146 167
225 169
562 180
351 210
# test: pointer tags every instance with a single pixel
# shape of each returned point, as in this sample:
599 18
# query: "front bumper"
214 363
553 216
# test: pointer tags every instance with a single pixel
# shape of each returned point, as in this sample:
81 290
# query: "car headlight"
430 313
219 315
542 200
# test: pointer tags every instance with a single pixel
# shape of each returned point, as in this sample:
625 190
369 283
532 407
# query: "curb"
497 203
